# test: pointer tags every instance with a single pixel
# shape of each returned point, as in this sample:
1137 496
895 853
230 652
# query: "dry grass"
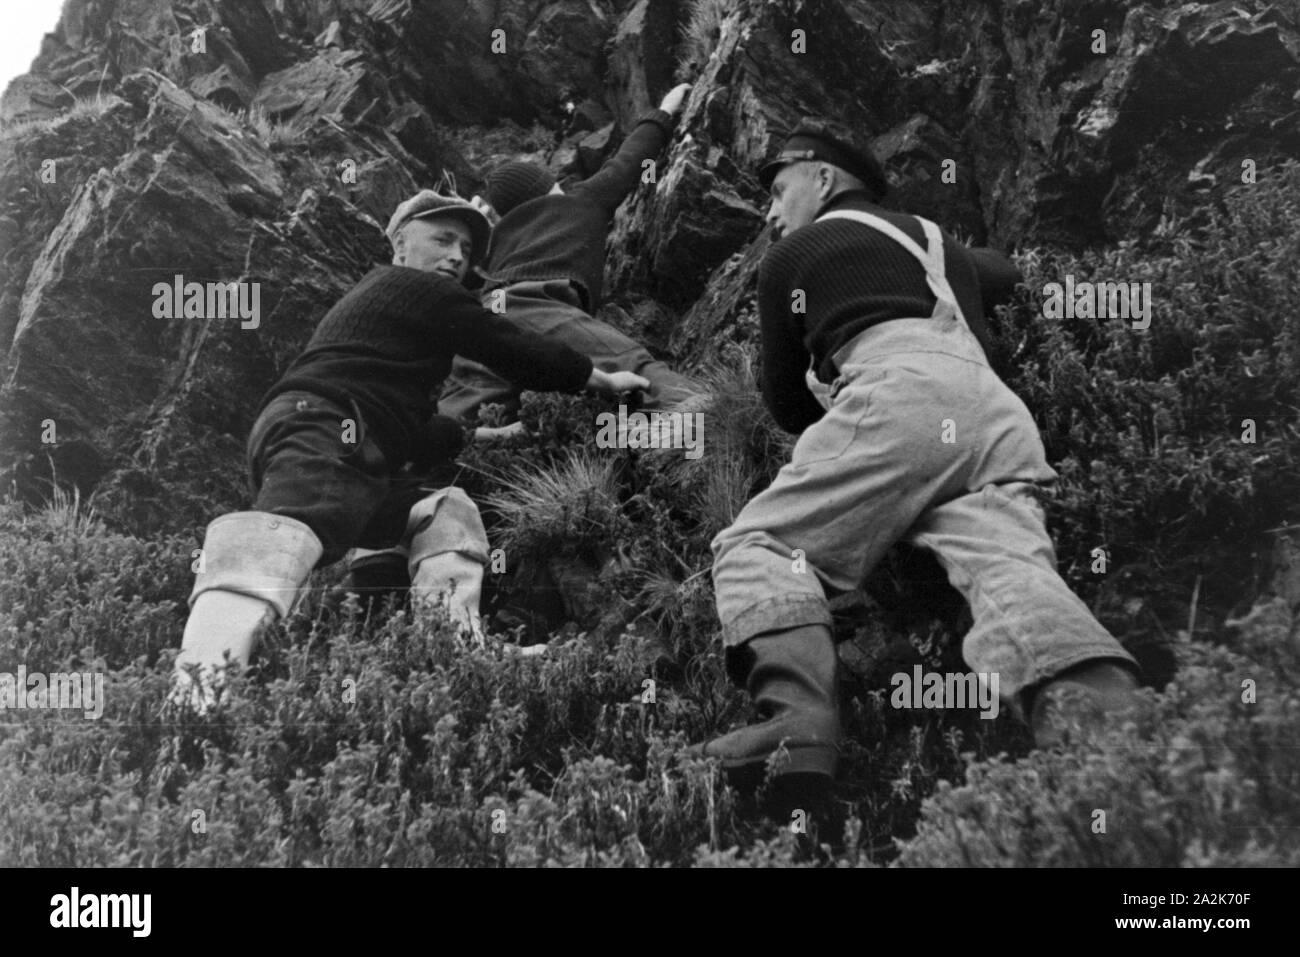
273 133
84 107
700 36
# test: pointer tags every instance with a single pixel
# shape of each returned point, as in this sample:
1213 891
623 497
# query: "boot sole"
781 795
800 777
817 759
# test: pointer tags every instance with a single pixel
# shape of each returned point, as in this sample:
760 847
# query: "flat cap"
829 142
427 203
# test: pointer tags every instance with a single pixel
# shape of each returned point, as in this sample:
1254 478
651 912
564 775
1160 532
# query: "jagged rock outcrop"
1108 138
1056 123
267 140
90 353
643 56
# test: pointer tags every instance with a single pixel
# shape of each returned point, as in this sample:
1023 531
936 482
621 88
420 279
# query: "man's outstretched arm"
621 173
528 360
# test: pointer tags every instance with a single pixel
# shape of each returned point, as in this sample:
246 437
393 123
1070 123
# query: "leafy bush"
1211 782
1146 427
73 591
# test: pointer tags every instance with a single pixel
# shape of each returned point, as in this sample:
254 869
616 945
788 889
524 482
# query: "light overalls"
921 441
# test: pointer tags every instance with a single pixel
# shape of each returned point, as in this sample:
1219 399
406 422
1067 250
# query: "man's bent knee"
446 521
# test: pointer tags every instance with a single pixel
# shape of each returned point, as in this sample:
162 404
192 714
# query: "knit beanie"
515 182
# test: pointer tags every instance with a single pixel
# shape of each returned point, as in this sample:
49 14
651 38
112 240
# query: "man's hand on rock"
615 382
672 103
506 433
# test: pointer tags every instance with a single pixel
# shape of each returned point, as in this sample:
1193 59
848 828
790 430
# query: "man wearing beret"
546 264
874 353
335 454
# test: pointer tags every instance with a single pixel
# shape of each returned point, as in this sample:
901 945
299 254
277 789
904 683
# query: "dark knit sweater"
388 344
855 277
563 236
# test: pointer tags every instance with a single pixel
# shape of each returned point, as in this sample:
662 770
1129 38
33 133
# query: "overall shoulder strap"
930 258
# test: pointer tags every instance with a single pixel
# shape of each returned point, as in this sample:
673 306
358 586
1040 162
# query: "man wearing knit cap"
873 352
546 264
516 182
335 453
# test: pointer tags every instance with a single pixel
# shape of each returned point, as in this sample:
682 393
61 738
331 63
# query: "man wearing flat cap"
340 436
874 353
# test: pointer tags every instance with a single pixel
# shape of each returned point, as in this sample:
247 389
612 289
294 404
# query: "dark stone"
642 58
587 116
223 88
254 35
87 351
333 83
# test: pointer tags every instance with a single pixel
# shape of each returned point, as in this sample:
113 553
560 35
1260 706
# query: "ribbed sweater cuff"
661 119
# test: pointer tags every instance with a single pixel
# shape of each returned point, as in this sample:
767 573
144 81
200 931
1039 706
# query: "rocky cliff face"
268 140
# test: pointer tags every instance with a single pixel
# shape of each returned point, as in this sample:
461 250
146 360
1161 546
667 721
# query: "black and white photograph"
643 434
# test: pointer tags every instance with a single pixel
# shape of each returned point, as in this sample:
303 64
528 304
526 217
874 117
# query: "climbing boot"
448 552
252 570
792 678
1089 698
